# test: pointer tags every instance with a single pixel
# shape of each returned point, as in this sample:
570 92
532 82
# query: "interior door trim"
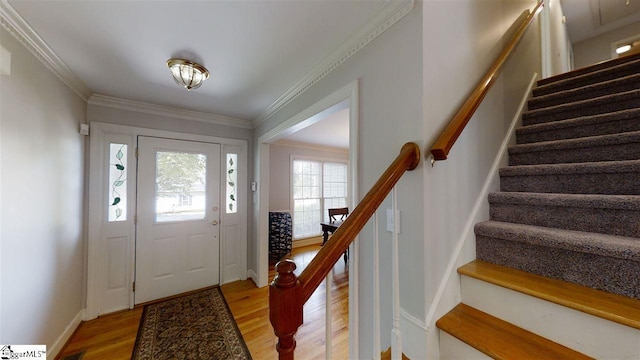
97 200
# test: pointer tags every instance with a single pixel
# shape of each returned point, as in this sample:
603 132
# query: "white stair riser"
453 349
588 334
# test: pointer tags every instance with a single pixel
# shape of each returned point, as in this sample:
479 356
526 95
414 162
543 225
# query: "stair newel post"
285 308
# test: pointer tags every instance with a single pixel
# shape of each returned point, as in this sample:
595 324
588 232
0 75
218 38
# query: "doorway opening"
308 124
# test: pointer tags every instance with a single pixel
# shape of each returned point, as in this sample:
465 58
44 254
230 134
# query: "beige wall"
598 48
42 244
561 57
455 56
389 73
412 79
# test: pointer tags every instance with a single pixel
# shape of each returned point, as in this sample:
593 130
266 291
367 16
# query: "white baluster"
376 290
396 335
328 315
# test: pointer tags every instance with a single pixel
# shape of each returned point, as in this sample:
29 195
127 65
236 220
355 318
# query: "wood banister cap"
413 147
285 277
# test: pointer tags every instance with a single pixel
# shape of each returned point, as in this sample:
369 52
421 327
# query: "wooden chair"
343 213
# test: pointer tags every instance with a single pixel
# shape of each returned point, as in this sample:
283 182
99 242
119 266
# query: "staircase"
557 273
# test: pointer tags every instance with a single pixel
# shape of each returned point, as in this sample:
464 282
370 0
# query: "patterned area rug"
194 326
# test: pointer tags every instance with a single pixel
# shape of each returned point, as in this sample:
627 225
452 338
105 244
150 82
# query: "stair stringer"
449 291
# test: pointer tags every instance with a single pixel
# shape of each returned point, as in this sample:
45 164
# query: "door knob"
214 222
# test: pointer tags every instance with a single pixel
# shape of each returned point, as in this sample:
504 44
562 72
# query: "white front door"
178 215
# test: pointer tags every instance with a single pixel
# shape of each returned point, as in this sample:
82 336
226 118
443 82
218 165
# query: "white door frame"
546 52
348 93
96 271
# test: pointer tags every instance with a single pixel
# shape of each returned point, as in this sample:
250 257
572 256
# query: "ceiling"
589 18
254 50
332 131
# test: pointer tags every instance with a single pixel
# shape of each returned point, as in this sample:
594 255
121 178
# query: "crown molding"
388 15
153 109
22 31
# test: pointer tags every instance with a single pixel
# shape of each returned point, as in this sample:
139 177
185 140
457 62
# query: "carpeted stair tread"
610 147
590 141
620 247
573 168
622 84
589 69
598 261
606 214
607 177
569 206
620 309
605 74
624 202
499 339
592 106
601 124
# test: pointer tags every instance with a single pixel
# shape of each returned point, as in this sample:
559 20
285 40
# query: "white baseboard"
414 333
307 242
253 276
54 349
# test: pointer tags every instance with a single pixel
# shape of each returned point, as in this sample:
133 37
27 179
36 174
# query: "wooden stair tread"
499 339
613 307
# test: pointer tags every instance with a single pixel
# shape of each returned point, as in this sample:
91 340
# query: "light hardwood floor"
113 336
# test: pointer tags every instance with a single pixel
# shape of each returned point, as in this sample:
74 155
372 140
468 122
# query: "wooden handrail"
448 137
288 293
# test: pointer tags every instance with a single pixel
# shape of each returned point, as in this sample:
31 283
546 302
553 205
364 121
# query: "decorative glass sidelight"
232 183
117 182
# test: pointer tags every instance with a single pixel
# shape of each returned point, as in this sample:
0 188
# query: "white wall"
280 169
561 57
598 48
389 71
42 235
455 56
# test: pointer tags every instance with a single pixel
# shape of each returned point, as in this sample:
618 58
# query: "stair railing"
450 134
288 293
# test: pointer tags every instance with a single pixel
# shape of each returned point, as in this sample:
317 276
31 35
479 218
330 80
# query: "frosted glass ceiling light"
623 49
187 74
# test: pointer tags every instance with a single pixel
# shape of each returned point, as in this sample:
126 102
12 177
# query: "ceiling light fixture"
187 74
623 49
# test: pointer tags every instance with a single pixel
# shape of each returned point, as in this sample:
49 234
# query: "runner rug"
195 326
